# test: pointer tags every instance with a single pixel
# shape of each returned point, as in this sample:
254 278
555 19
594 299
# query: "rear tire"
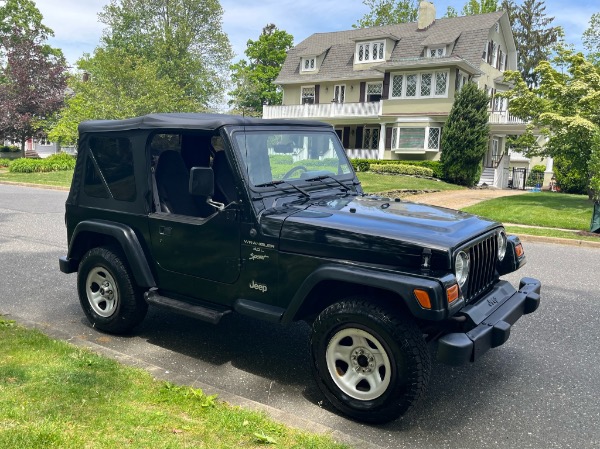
370 363
107 293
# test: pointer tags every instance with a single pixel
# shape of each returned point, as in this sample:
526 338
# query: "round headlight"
461 268
502 240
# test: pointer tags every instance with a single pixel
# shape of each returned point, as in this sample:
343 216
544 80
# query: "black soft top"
188 121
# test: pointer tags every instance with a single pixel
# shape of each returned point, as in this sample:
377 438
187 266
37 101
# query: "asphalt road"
540 390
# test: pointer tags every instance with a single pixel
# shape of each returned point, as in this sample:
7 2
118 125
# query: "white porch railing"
360 153
505 118
324 110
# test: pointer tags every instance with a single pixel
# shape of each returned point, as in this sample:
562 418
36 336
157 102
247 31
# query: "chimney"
426 15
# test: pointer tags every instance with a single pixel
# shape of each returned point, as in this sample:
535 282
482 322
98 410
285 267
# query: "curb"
37 186
558 240
160 373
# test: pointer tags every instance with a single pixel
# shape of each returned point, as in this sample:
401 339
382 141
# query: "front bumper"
490 320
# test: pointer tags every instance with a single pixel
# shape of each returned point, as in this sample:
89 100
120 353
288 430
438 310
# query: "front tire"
370 363
108 296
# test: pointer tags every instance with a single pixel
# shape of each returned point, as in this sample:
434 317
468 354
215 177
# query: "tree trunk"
23 140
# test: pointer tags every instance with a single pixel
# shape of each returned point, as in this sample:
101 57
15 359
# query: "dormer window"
437 52
370 52
309 64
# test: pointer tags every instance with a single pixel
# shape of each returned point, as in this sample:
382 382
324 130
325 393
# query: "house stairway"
487 177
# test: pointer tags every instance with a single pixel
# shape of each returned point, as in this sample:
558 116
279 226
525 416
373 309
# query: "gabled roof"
468 33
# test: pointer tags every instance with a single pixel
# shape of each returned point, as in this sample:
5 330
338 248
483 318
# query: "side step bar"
203 313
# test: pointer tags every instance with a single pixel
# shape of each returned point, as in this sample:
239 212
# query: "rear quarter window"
110 165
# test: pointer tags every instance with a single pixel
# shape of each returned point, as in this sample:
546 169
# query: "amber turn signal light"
423 298
519 250
452 293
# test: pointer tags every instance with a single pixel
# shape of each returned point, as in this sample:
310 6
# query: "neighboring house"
388 90
41 147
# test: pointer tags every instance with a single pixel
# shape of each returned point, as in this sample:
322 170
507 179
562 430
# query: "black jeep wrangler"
208 215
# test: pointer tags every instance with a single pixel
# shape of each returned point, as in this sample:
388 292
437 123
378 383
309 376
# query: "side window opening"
185 151
110 165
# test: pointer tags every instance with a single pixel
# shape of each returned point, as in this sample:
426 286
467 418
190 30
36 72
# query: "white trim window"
369 52
339 93
43 141
307 95
461 79
370 139
420 85
374 92
436 52
410 138
495 49
308 64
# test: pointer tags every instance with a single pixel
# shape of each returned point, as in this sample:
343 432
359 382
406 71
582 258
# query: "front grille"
482 268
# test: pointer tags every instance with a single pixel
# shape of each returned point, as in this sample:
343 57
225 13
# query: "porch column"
548 173
381 154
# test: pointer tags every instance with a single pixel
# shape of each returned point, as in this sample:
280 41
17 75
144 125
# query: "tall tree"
388 12
253 79
32 86
113 84
473 7
465 137
22 15
184 37
534 37
591 38
565 107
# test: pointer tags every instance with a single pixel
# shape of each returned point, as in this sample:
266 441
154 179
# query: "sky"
77 30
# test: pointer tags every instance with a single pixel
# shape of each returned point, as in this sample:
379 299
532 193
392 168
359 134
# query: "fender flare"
128 241
397 283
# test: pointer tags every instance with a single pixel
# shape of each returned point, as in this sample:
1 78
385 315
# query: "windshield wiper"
323 177
281 181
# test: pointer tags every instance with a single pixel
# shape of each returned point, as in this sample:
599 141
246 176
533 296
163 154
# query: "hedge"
56 162
436 166
402 169
9 149
4 163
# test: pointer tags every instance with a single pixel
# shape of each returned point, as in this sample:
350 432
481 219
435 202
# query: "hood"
374 229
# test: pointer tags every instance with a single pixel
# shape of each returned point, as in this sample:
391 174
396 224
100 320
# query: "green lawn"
373 183
57 396
56 178
553 210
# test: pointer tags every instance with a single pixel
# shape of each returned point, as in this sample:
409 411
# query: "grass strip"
56 178
55 395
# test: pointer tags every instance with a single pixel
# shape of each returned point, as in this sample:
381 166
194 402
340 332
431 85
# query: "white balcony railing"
324 110
505 118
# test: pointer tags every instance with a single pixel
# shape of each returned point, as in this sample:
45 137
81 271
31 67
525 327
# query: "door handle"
165 230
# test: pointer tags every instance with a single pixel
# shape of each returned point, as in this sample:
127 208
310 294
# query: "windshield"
273 156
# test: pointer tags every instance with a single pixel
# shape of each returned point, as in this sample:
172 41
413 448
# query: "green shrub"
570 177
360 164
60 161
4 162
540 168
402 169
9 149
23 165
281 159
436 166
56 162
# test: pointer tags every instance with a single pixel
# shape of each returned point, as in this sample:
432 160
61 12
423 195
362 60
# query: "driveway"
457 199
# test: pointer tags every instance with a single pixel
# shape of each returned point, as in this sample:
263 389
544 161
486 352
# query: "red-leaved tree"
33 81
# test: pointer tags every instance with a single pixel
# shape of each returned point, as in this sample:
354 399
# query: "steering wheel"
294 170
